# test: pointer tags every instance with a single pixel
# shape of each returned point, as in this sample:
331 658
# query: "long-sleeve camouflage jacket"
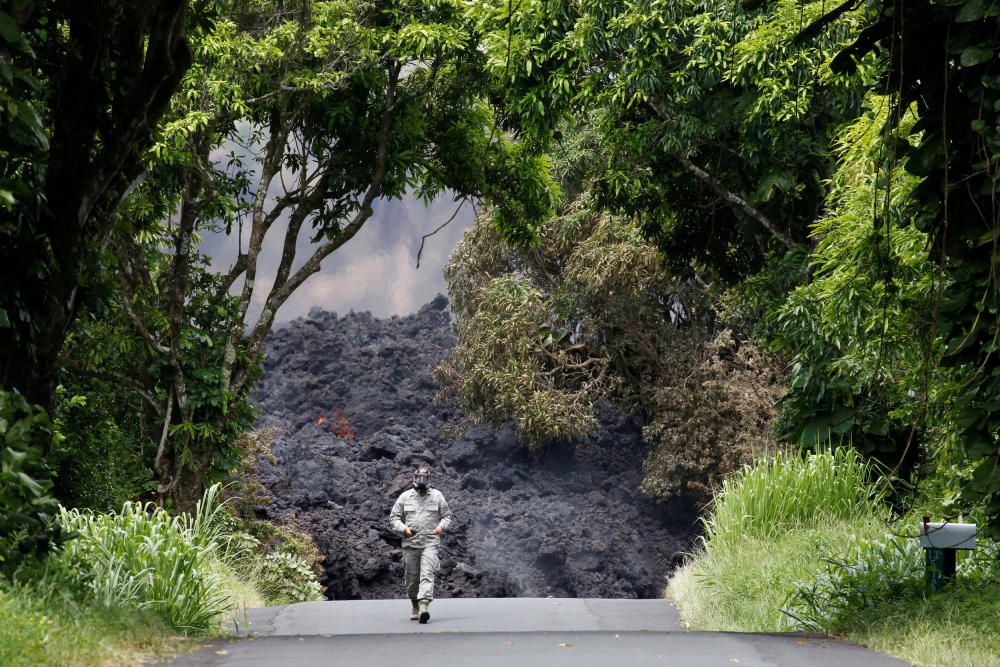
422 513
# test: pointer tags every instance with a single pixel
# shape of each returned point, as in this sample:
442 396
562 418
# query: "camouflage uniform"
422 513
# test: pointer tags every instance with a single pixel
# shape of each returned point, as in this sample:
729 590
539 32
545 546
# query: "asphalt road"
509 632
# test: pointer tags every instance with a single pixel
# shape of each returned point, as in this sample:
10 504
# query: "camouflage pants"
420 565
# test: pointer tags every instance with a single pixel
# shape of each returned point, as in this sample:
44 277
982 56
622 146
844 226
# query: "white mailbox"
947 535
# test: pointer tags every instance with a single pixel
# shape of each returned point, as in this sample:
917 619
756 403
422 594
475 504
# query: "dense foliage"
859 335
760 201
83 87
134 579
27 509
714 124
589 314
940 57
802 543
833 160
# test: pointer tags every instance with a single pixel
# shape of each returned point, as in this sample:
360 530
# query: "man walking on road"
420 515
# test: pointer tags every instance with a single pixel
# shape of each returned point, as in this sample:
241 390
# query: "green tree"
714 125
860 336
84 86
345 104
940 57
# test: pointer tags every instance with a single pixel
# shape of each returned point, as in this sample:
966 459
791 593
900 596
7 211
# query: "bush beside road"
140 582
829 558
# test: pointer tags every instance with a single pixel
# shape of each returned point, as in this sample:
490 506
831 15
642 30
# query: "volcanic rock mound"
353 399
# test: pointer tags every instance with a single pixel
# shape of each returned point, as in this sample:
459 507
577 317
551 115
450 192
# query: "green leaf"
9 30
842 420
34 487
973 10
878 425
975 55
815 433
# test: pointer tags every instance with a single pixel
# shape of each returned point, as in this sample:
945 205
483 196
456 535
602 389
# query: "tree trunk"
97 140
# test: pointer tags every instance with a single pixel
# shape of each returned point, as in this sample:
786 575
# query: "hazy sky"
375 271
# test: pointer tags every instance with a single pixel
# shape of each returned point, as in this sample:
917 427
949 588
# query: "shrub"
145 558
981 566
707 422
100 463
791 490
282 561
26 506
871 573
285 578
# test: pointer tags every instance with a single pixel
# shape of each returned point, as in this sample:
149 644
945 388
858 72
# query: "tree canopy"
688 208
825 174
346 104
714 123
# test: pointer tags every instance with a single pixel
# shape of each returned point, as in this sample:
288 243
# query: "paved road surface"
509 633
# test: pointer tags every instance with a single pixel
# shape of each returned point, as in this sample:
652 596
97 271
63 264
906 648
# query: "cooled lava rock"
353 400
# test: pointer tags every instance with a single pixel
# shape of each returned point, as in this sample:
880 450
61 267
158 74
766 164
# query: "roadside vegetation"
127 361
138 582
757 227
806 543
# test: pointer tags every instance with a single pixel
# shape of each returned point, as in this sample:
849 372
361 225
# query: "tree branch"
447 222
237 269
720 188
273 153
280 291
158 464
735 200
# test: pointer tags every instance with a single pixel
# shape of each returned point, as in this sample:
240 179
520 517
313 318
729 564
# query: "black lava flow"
353 400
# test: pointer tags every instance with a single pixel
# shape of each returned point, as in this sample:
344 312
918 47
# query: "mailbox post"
940 542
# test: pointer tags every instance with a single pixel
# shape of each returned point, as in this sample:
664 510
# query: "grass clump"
130 582
959 626
791 490
870 573
145 558
42 623
741 585
803 543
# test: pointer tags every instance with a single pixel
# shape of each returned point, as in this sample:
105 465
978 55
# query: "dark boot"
415 613
424 614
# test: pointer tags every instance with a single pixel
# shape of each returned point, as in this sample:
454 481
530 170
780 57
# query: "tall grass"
791 490
807 535
145 558
742 584
44 625
130 581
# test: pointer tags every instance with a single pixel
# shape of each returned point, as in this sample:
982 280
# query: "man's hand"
437 531
408 532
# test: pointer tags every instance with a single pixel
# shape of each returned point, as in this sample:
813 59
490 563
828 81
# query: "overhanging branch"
735 200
